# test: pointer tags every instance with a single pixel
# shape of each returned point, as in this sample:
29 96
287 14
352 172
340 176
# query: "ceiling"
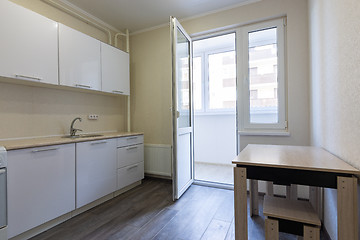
137 15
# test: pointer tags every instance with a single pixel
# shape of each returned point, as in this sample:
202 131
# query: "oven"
3 194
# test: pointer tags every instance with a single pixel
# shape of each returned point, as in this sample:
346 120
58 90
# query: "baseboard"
149 175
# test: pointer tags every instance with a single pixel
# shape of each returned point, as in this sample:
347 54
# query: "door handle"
131 138
116 91
177 114
131 148
44 150
84 86
94 143
129 168
28 77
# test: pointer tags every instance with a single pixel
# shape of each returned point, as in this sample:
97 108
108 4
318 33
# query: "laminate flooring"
148 212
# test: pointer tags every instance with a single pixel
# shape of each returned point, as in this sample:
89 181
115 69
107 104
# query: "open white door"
182 107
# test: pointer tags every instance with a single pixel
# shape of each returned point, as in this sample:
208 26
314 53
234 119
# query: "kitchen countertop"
14 144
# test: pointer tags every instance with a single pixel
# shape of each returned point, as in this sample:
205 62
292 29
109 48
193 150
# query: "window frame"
243 78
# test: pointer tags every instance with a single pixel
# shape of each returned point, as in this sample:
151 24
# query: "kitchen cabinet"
130 160
79 59
114 70
41 185
28 45
95 170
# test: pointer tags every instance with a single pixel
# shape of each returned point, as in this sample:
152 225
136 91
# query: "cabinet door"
95 170
130 155
79 59
114 70
130 174
41 186
28 45
130 140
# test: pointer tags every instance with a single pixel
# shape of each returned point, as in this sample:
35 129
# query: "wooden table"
288 165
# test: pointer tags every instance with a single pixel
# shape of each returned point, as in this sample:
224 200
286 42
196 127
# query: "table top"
293 157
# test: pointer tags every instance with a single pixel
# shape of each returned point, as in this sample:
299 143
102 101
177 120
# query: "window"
214 74
262 102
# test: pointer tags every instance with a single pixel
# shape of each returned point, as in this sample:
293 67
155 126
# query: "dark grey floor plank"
148 212
217 229
200 222
149 230
226 210
176 227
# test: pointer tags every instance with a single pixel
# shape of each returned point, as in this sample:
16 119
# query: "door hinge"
286 124
285 21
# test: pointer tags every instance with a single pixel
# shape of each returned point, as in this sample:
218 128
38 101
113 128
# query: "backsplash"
27 111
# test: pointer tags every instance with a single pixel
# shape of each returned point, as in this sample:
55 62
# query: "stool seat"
292 210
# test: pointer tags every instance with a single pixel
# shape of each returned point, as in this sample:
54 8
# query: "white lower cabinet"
95 170
41 185
47 182
130 155
130 174
130 160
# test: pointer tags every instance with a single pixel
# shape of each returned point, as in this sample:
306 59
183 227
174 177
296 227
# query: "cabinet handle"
130 148
116 91
94 143
28 77
129 168
2 171
81 85
44 150
131 138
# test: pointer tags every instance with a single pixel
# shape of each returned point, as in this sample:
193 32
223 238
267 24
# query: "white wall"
335 86
215 138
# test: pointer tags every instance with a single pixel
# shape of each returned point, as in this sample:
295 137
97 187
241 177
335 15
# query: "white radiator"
158 159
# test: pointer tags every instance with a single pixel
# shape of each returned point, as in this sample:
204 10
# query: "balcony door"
182 109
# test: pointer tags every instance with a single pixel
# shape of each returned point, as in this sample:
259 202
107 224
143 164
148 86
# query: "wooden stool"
290 216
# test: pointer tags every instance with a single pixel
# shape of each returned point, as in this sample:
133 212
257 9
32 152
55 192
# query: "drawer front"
130 174
131 140
130 155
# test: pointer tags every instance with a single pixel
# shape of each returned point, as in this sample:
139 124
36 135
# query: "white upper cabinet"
114 70
79 59
28 45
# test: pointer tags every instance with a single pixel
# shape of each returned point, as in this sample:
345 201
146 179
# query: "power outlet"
93 117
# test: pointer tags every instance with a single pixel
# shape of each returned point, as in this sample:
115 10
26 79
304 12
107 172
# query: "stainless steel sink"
83 136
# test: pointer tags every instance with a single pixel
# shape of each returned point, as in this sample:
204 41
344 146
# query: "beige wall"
151 70
335 86
27 111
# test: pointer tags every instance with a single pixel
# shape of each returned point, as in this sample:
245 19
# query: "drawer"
130 174
130 155
130 140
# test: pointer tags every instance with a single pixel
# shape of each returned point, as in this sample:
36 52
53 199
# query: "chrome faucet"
72 129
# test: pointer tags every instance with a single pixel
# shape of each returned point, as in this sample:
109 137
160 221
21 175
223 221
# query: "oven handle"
2 171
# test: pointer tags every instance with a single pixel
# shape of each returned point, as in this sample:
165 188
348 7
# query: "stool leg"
270 188
271 229
311 233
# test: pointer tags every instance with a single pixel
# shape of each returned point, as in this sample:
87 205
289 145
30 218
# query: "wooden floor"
148 212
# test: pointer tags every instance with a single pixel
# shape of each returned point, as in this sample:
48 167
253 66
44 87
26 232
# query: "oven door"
3 198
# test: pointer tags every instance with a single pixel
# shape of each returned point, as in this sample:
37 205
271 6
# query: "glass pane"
197 83
263 82
222 80
183 78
